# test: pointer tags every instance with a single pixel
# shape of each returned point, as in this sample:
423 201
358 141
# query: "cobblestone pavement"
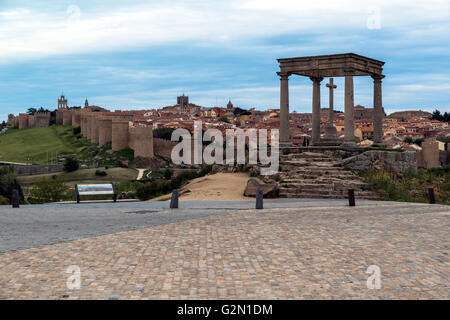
288 253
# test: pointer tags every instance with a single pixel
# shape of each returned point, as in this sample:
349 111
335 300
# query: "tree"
49 190
437 115
41 109
8 183
31 111
241 112
71 165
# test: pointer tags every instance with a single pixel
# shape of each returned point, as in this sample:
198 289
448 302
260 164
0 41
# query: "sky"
143 54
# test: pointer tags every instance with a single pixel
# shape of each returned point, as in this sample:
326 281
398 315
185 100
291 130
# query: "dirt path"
216 187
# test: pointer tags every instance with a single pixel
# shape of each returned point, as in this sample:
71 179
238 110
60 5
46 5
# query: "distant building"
183 102
62 103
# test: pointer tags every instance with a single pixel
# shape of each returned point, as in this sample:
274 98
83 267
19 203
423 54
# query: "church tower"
86 103
62 103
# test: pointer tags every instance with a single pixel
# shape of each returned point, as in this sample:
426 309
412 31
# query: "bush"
8 183
412 186
76 131
4 201
100 173
71 165
127 154
156 188
49 190
206 170
168 173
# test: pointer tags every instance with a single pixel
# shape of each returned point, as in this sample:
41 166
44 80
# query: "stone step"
313 178
309 155
307 158
317 163
306 195
286 193
313 169
309 186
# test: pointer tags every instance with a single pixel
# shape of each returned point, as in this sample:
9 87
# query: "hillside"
39 145
50 145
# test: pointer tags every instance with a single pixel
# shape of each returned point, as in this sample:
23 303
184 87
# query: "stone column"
284 109
316 110
349 126
377 110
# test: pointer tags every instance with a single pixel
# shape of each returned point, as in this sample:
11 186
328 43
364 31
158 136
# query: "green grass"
34 145
81 176
413 186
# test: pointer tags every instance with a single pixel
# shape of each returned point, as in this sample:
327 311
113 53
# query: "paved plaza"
297 249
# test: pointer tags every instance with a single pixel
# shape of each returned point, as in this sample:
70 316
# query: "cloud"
79 28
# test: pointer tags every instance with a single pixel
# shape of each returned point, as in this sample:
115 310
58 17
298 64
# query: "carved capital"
316 79
284 75
377 77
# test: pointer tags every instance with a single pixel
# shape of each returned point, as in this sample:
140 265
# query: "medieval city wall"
59 117
23 120
120 135
141 141
104 131
42 119
67 118
94 127
76 118
163 148
31 121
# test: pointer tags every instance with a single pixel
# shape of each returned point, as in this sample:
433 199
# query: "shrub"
8 183
206 170
100 173
71 165
411 186
153 189
168 173
127 154
4 201
76 130
49 190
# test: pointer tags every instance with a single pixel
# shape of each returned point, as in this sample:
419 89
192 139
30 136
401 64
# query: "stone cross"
332 86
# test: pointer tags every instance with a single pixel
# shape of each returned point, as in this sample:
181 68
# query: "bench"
95 189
